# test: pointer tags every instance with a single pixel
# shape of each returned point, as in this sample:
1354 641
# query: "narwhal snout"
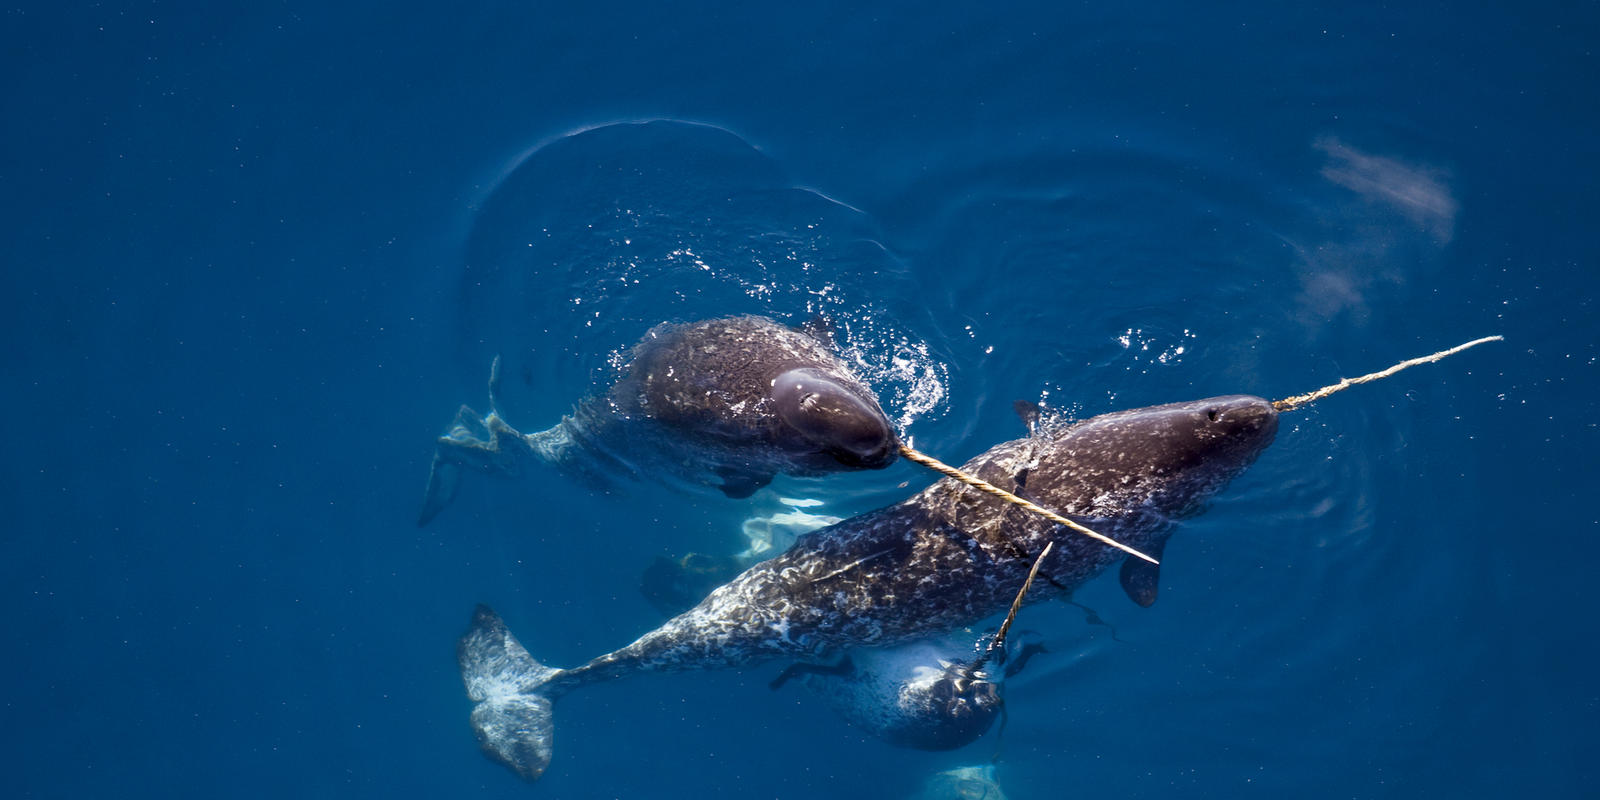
1243 415
873 449
839 422
1246 422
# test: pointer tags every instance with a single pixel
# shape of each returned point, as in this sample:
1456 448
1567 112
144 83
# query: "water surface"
259 256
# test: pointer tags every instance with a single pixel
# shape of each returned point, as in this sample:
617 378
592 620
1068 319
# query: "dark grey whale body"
728 403
945 558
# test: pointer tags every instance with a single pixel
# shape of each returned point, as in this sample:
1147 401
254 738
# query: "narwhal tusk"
1292 403
999 641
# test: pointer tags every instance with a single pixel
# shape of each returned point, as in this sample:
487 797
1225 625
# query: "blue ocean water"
258 256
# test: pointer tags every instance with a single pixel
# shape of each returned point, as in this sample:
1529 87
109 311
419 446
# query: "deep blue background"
240 298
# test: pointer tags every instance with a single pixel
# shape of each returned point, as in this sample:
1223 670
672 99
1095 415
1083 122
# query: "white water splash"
910 382
1150 347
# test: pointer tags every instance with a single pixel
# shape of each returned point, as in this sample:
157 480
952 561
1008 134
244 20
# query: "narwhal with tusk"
945 558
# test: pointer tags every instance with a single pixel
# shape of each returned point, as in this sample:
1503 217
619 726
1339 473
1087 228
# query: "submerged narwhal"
941 560
931 694
728 403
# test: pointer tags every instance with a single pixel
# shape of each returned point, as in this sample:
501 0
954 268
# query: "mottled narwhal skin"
727 402
944 559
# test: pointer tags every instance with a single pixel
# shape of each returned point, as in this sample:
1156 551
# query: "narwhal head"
834 419
945 708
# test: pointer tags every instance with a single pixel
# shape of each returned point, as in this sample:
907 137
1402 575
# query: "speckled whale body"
941 560
728 403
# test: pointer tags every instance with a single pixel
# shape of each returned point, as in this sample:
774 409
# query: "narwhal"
728 403
946 558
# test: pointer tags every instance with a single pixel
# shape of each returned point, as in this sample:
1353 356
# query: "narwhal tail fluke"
512 715
444 475
479 444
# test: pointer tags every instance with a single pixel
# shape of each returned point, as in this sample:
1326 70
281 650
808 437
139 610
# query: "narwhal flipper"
1031 646
1030 413
444 478
738 484
512 718
1141 579
842 669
